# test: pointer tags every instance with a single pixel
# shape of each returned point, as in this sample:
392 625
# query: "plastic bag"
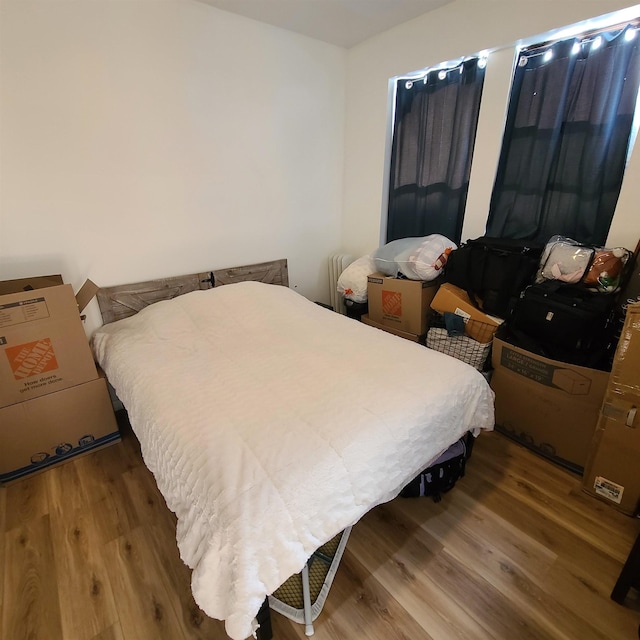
569 261
607 268
352 282
565 260
414 258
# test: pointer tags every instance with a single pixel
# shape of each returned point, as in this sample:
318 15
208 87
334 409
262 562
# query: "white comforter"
271 424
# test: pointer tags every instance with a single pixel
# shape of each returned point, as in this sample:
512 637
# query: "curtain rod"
584 28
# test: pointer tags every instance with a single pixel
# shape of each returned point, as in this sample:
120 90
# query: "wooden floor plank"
66 489
99 471
422 601
360 606
526 591
144 607
490 610
87 604
475 518
26 500
592 603
146 500
546 531
112 633
400 565
177 581
102 475
555 486
554 501
31 606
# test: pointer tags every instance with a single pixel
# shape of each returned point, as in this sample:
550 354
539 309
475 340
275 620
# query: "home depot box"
400 304
53 428
613 468
396 332
43 346
478 325
549 406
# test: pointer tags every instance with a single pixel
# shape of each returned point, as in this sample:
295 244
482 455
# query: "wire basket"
472 350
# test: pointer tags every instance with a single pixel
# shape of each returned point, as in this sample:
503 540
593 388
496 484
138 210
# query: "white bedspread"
271 424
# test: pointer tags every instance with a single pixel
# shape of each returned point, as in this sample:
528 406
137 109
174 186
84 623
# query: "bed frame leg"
264 631
306 598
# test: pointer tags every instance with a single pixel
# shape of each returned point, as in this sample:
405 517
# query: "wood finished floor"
516 551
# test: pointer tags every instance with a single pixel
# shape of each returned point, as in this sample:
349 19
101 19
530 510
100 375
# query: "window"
434 130
567 134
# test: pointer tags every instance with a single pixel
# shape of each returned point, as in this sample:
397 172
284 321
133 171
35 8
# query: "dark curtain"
433 138
566 139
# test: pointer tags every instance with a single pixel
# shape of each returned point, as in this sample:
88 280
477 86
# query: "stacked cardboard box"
613 469
396 332
400 306
53 402
549 406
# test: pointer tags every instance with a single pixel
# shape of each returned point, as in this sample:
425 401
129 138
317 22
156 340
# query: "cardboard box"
396 332
612 472
549 406
478 325
29 284
400 304
43 345
625 369
613 468
631 291
51 429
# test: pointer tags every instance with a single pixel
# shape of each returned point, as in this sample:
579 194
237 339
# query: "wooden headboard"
126 300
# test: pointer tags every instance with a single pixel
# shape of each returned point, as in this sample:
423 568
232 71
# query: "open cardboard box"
549 406
43 345
478 325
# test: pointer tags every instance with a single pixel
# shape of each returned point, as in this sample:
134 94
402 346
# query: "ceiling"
341 22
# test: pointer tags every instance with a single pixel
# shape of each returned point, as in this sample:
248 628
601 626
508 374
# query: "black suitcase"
567 322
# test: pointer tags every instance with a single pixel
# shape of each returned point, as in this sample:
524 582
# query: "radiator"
338 262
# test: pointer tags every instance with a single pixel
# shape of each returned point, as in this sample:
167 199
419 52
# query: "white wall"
460 28
148 139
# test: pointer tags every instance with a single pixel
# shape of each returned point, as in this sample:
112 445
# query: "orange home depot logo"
32 358
391 303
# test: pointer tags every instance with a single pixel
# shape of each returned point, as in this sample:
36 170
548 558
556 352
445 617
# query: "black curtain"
566 139
433 137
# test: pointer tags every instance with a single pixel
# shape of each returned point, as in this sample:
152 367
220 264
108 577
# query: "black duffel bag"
566 322
493 270
443 474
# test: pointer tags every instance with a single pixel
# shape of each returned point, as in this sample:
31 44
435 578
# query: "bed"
272 424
